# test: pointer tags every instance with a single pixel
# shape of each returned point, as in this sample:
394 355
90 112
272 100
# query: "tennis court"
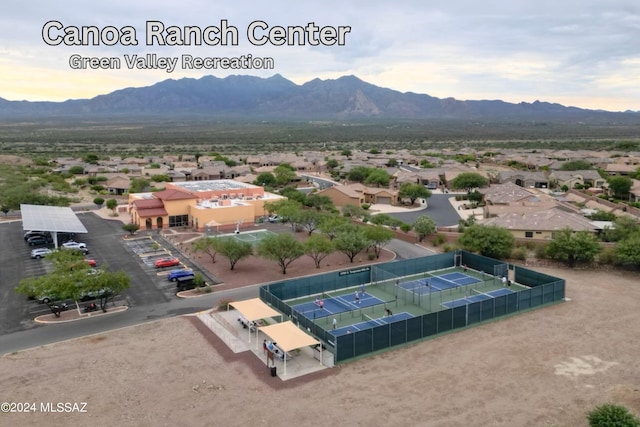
432 283
253 237
370 323
477 296
335 304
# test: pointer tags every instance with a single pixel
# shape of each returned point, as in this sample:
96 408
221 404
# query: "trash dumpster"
274 371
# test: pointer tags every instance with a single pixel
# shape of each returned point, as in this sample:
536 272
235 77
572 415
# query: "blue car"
174 274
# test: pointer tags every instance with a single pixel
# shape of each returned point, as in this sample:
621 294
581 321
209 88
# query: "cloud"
580 52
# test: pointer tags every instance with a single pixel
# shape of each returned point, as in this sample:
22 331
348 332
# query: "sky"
583 53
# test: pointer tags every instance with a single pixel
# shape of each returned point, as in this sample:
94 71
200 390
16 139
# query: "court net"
339 301
372 321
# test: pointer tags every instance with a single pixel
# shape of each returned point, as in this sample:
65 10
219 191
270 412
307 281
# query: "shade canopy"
254 309
288 336
50 218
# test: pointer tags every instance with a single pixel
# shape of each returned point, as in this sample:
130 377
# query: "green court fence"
543 289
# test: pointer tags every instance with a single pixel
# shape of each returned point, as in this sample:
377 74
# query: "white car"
74 245
40 253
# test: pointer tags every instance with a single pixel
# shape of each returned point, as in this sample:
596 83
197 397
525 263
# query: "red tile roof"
172 194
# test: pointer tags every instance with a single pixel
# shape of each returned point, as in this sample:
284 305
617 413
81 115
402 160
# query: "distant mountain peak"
246 96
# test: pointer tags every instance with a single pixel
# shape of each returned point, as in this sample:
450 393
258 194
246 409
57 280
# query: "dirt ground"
547 367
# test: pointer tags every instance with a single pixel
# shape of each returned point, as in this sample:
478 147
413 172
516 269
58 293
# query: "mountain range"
250 97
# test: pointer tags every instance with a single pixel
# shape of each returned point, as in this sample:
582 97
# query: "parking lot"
149 285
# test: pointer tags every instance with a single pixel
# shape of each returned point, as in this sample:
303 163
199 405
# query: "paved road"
439 209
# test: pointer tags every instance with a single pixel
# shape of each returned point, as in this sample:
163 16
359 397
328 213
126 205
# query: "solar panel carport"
54 219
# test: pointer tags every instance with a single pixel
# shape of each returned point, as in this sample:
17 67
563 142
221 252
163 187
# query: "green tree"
490 241
131 228
265 179
378 177
474 197
284 174
610 415
308 219
413 191
467 181
623 227
91 158
330 225
319 202
99 201
208 245
378 236
112 204
571 247
332 164
424 226
76 170
620 185
628 250
353 211
161 178
292 193
234 250
283 248
138 185
318 247
358 174
70 280
351 240
576 165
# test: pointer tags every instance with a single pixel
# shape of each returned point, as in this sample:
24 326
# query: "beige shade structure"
289 337
254 309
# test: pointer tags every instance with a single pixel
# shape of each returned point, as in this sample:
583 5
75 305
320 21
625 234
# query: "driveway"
439 209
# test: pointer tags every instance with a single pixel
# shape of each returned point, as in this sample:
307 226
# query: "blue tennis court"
369 324
336 304
439 283
477 297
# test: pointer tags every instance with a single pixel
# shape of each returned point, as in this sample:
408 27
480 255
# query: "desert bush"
438 239
223 304
607 256
519 253
541 251
609 415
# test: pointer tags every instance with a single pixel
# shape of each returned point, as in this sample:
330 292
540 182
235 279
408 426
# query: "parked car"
40 253
166 262
273 218
29 234
38 240
104 292
186 283
175 274
74 245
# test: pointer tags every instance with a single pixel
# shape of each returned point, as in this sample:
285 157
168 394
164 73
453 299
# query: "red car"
167 262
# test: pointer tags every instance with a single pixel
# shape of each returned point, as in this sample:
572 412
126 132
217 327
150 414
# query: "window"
528 234
178 220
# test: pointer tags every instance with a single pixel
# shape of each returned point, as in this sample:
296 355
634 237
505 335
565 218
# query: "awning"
254 309
289 337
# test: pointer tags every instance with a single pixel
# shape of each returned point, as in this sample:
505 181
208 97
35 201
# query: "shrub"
448 247
607 256
98 201
97 187
541 251
608 415
365 206
371 256
405 227
519 253
223 304
438 240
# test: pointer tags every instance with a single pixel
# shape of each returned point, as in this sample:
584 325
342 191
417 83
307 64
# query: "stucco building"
218 205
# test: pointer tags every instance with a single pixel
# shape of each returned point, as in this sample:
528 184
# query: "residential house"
541 224
524 179
118 185
589 178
